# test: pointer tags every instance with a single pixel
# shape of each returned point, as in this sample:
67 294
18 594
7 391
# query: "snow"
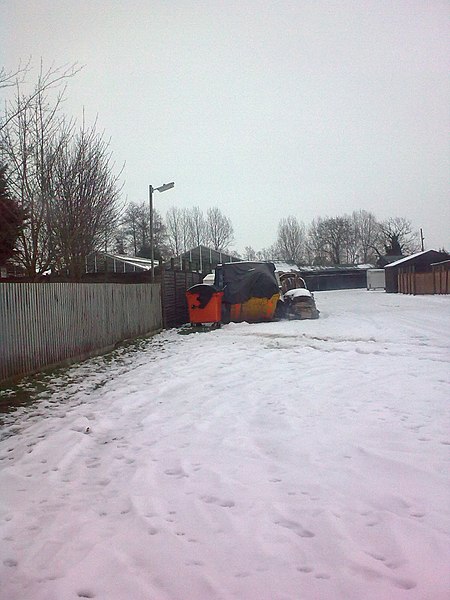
143 263
297 293
407 258
287 460
284 267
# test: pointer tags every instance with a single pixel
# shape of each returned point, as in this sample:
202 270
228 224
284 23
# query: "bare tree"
398 237
131 226
220 233
11 78
268 254
88 198
32 137
174 226
249 254
367 231
161 248
291 240
187 230
119 241
198 226
51 78
134 231
315 252
329 239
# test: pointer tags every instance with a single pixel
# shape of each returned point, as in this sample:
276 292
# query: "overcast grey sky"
263 108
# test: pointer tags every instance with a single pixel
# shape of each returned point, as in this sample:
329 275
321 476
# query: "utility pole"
150 202
421 239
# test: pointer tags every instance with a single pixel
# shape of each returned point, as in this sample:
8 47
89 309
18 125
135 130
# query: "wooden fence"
44 324
435 282
441 277
175 284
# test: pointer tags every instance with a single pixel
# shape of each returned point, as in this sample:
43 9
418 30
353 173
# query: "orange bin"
204 304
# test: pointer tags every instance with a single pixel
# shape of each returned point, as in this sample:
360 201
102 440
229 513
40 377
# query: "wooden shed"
441 277
413 274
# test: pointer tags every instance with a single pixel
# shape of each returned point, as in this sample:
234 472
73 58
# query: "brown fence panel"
418 283
424 283
174 286
406 282
43 324
437 280
441 274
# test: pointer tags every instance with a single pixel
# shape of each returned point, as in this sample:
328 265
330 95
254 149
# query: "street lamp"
151 189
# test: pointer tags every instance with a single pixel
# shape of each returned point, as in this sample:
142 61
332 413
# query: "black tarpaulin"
243 280
203 292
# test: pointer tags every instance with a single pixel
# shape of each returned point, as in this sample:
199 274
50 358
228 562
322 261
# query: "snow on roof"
284 267
334 268
134 261
407 258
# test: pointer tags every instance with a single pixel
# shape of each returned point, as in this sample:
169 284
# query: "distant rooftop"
433 253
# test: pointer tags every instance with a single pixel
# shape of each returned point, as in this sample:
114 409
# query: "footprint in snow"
404 584
295 527
10 562
194 563
305 569
178 473
218 501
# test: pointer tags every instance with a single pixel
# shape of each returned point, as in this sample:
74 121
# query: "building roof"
215 256
285 267
441 262
433 254
334 268
133 261
387 259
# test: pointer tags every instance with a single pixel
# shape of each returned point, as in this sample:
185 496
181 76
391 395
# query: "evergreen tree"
11 220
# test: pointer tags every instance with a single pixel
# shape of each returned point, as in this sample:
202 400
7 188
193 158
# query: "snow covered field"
303 460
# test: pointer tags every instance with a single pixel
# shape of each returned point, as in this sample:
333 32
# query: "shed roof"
434 256
387 259
441 262
134 261
215 256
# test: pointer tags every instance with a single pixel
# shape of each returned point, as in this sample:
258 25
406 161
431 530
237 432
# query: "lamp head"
165 186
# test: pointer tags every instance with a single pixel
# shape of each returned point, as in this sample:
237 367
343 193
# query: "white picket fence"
44 324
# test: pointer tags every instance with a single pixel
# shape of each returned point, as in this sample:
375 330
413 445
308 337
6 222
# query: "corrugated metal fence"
42 324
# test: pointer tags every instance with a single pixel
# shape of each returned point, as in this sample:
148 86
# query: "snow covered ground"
296 460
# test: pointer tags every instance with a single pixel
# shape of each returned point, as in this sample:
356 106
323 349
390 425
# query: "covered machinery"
297 301
250 291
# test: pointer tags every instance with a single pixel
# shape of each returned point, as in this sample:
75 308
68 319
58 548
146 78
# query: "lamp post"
151 189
